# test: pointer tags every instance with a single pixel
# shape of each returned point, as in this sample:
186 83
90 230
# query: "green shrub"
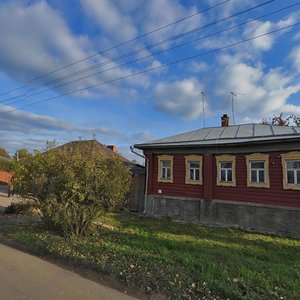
72 191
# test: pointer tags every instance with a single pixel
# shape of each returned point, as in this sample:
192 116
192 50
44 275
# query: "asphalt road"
23 276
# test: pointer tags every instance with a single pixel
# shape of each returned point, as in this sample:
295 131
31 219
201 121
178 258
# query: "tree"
5 164
4 153
72 191
22 154
282 121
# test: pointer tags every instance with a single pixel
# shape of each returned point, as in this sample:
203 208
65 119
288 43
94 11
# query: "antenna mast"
203 108
232 105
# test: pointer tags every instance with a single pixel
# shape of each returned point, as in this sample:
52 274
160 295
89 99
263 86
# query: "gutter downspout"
147 169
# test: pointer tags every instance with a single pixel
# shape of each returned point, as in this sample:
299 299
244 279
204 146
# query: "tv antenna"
203 108
233 96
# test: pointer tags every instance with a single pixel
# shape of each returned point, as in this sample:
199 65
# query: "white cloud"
110 19
159 13
197 67
35 40
180 98
264 93
295 57
257 28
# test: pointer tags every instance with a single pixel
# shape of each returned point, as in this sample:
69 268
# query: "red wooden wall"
178 187
275 195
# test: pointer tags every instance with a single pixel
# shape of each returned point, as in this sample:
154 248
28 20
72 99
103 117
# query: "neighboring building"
93 147
5 177
246 176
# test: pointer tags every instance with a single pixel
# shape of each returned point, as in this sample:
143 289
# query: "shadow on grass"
157 257
164 226
197 248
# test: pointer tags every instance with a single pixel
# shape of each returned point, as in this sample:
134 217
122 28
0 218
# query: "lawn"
180 261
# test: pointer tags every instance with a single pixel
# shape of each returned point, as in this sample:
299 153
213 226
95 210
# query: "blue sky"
38 37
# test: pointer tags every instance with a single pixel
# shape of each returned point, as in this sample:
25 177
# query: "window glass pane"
253 176
290 177
168 173
257 165
191 174
229 175
194 164
298 177
197 174
261 174
164 173
226 165
223 177
293 164
166 163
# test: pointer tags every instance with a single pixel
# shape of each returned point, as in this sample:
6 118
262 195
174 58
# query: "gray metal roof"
226 135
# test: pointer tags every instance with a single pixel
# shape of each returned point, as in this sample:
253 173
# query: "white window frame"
161 159
258 157
285 158
226 159
226 170
188 160
295 171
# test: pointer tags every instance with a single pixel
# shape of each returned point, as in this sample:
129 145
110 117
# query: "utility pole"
203 108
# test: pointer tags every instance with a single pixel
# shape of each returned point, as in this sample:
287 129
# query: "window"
193 169
291 170
258 170
226 170
165 168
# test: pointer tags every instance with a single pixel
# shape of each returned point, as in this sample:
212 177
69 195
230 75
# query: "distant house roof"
90 147
236 134
93 147
5 177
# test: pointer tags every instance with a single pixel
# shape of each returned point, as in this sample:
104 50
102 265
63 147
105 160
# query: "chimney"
112 147
225 120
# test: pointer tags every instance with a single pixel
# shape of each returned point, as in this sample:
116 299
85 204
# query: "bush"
72 191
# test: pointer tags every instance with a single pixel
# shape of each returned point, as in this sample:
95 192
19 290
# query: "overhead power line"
119 45
156 53
157 68
144 49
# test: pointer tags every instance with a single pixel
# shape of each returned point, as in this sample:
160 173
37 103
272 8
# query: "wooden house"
246 176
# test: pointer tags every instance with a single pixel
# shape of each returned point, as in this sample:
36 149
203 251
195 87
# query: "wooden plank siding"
275 195
178 187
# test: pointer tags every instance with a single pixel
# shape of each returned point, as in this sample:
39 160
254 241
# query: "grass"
181 261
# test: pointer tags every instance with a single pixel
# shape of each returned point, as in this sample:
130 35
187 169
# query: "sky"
131 71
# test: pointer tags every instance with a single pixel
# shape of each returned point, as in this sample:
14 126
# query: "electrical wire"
156 53
118 45
155 68
146 48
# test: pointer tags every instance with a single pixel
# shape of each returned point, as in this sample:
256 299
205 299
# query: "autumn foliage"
72 191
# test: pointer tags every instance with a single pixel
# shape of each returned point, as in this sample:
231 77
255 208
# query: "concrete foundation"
248 216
